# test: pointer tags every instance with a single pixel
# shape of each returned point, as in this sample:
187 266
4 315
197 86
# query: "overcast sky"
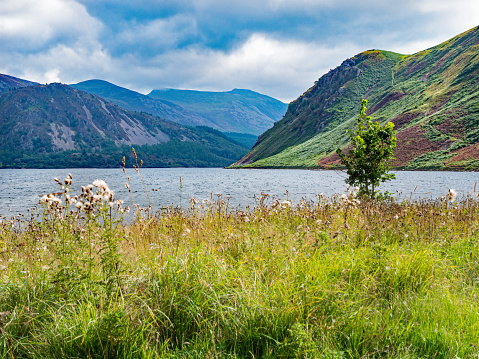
275 47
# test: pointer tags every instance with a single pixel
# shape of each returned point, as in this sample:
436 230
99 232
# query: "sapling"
371 150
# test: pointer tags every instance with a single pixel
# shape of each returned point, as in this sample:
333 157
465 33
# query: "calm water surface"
21 189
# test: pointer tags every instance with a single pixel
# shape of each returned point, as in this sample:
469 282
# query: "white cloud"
30 24
60 64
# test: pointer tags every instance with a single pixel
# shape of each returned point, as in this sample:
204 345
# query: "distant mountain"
8 83
58 126
242 111
432 97
238 111
134 101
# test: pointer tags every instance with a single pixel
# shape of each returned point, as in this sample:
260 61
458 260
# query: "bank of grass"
331 278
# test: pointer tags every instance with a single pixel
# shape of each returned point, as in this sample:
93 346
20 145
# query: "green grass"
322 279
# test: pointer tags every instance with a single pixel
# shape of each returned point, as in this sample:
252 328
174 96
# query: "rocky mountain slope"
240 111
58 126
432 97
8 83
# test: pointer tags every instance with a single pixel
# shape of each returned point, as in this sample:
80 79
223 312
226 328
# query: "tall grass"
331 278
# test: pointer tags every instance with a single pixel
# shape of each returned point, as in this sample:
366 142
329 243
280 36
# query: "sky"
275 47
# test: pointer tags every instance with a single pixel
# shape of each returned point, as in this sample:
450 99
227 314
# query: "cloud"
28 25
60 64
158 34
277 47
272 66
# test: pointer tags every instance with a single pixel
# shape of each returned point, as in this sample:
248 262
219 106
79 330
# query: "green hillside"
432 97
240 111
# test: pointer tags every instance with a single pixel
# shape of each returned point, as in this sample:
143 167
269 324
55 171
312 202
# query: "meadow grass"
331 278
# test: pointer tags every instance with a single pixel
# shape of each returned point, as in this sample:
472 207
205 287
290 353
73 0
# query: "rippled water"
21 189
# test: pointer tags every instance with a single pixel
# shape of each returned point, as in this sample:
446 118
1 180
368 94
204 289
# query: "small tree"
368 161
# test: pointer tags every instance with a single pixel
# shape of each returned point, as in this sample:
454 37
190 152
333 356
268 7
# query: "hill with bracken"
432 97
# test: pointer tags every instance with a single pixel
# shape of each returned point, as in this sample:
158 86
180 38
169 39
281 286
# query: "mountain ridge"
238 110
431 96
134 101
8 83
56 125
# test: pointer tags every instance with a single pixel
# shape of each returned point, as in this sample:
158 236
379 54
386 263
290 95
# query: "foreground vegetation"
333 278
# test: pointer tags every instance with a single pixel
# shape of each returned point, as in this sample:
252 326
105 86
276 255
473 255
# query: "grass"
333 278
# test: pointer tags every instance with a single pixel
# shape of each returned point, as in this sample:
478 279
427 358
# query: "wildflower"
286 203
97 198
100 184
79 205
3 268
108 195
451 195
193 201
55 200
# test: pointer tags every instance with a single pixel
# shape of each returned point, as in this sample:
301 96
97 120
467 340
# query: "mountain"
240 111
8 83
237 111
55 125
134 101
432 97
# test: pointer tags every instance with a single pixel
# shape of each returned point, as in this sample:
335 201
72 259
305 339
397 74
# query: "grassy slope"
398 281
432 97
